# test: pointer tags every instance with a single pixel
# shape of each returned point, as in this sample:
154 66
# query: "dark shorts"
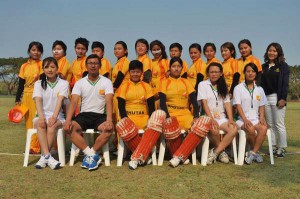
89 120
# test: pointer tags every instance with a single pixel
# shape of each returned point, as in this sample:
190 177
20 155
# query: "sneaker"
223 157
42 163
86 162
174 162
149 161
53 152
186 162
280 152
250 156
258 158
94 162
133 164
52 163
212 157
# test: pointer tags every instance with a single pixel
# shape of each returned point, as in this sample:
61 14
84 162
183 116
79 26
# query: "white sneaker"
133 164
52 163
174 162
212 156
186 162
42 163
223 157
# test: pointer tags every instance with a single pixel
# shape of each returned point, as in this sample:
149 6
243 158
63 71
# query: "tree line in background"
9 70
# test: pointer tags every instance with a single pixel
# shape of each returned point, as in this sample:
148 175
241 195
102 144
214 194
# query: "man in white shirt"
96 94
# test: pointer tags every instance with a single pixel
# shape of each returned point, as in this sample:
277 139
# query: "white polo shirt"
242 96
50 96
214 101
93 94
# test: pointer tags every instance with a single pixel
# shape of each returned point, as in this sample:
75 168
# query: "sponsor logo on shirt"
135 112
101 92
258 97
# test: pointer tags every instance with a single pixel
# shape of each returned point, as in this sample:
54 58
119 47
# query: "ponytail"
43 81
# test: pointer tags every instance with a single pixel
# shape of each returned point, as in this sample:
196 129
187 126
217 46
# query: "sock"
87 151
93 152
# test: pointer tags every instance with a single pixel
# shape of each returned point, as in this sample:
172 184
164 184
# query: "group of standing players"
159 95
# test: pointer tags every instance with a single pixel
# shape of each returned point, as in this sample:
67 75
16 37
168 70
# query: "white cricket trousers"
275 119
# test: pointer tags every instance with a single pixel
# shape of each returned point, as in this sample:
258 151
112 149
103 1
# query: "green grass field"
281 180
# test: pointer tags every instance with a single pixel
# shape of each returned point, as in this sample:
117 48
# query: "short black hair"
135 64
97 44
92 56
176 45
62 44
82 41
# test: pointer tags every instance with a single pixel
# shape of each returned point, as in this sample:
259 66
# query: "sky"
186 22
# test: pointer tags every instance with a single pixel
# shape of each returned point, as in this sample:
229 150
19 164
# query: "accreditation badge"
216 113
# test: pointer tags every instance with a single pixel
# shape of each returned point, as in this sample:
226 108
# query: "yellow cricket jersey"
213 60
242 63
135 96
123 66
159 69
30 71
230 66
146 62
77 69
197 67
105 67
184 67
64 68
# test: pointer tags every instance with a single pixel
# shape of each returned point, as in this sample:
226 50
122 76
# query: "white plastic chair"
122 151
86 135
60 146
242 146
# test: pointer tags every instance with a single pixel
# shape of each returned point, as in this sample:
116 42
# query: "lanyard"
213 90
251 94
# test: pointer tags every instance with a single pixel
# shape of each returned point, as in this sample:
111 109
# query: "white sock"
93 152
87 151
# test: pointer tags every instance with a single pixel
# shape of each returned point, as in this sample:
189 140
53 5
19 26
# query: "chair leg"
204 155
270 146
61 147
30 132
105 150
234 151
194 157
154 159
120 152
73 154
242 146
162 150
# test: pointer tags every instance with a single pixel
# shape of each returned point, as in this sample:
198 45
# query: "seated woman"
215 101
136 104
250 101
48 94
175 94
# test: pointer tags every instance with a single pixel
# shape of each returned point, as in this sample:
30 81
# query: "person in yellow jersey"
28 75
245 49
159 64
210 50
59 52
141 49
120 73
78 66
196 72
175 94
98 49
175 51
135 103
229 64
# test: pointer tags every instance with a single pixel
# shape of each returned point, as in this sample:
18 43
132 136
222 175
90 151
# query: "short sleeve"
125 67
147 64
236 96
64 90
149 92
163 86
263 100
21 73
121 90
189 86
202 94
108 87
37 91
227 99
77 89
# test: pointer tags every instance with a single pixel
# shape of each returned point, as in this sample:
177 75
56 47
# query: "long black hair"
162 47
221 84
46 63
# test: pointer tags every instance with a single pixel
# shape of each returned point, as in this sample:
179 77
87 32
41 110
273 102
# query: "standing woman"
210 53
215 102
159 64
141 49
196 73
250 101
275 82
59 52
245 48
175 94
229 64
48 94
29 74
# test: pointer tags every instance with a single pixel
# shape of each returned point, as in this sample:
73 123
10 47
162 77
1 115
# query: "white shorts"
61 119
240 122
221 121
